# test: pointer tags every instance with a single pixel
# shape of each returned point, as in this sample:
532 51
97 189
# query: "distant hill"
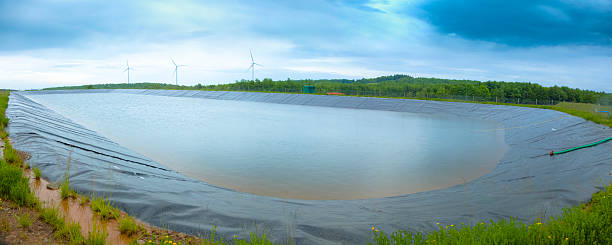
397 86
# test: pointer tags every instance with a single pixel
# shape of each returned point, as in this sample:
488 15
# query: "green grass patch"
50 215
14 186
128 226
37 173
97 236
25 221
83 200
69 232
589 223
66 191
10 155
104 208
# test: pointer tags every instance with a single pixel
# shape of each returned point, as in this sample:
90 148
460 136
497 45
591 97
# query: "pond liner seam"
115 157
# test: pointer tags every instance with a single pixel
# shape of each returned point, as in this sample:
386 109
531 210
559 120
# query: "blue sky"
64 42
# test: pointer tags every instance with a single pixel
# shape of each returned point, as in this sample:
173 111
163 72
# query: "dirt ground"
12 232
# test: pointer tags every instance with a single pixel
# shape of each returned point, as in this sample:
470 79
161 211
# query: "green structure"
308 89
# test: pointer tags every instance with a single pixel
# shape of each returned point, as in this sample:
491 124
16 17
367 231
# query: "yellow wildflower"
373 228
437 223
549 237
376 230
452 225
566 238
539 223
235 236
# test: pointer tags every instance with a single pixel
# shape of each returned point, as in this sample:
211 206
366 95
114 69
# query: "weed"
84 199
50 215
97 236
104 208
128 226
70 232
65 191
36 172
24 220
14 186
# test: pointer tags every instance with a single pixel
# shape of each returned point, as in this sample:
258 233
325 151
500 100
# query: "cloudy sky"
68 42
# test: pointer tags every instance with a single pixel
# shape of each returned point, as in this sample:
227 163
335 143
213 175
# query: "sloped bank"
527 182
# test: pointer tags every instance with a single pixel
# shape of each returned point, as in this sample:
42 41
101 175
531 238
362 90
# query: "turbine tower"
252 67
127 64
176 71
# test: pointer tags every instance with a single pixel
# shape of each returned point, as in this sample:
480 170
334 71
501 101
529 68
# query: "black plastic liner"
526 184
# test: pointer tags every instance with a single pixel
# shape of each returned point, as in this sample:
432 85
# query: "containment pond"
194 161
292 151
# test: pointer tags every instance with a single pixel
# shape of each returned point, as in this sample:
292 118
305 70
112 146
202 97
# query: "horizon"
72 43
323 79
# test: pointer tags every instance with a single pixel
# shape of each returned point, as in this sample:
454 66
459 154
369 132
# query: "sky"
72 42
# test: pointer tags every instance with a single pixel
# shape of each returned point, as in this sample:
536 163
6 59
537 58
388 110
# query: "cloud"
523 22
64 42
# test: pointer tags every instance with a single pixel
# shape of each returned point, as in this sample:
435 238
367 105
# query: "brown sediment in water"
75 212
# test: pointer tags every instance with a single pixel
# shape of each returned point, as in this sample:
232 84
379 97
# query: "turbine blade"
253 60
257 64
173 61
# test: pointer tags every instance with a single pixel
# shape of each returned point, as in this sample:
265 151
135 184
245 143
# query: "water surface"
291 151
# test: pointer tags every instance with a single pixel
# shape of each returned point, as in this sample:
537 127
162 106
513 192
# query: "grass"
96 236
10 155
24 220
51 216
83 200
70 232
128 226
65 191
37 173
14 186
104 208
589 223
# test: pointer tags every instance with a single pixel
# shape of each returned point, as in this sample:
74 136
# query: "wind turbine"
252 67
176 70
128 68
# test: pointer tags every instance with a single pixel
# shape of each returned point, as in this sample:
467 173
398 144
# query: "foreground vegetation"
589 223
399 86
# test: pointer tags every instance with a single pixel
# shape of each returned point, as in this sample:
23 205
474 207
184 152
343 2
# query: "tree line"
397 86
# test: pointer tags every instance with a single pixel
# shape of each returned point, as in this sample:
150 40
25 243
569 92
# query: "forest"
400 86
